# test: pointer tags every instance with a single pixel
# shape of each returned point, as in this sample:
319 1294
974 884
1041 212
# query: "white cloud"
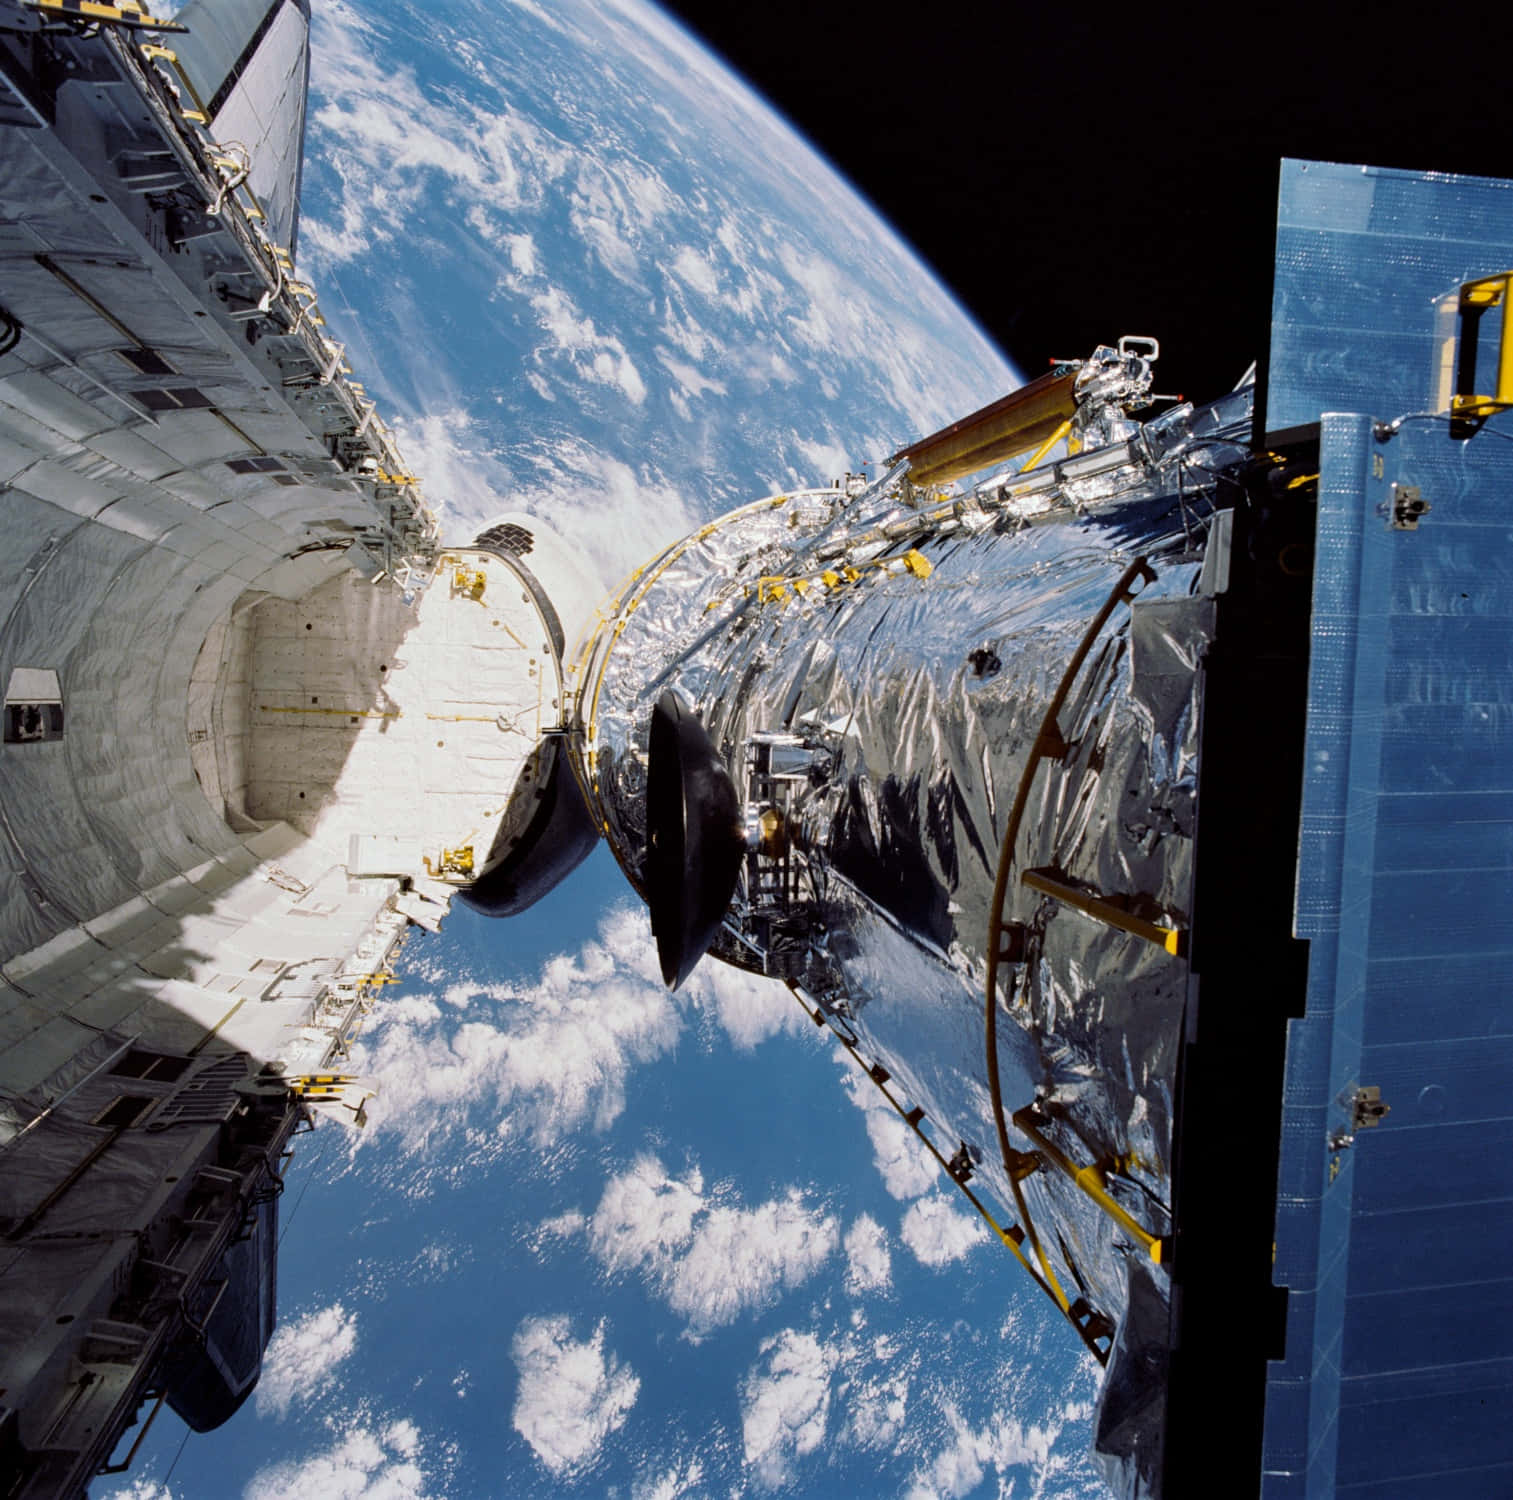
624 511
695 341
592 355
876 1405
645 1217
522 253
544 1059
403 1437
572 1395
392 143
143 1489
786 1405
907 1169
696 271
869 1264
441 449
691 382
825 461
749 1007
938 1234
612 212
491 1064
669 1484
710 1261
1004 1444
741 1257
302 1357
563 1227
365 1463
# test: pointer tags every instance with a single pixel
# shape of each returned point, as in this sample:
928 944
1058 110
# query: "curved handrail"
1048 742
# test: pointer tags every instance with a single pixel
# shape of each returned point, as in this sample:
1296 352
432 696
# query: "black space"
1074 175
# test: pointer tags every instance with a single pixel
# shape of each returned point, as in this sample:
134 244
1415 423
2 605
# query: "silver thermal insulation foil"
884 664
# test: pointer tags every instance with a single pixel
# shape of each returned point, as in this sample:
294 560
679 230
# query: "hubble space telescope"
1119 785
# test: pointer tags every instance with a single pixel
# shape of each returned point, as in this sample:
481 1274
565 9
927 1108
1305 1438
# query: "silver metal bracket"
1366 1113
1368 1108
1408 507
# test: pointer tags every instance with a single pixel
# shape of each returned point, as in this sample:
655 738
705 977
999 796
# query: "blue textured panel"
1362 252
1398 1376
1449 1242
1413 1172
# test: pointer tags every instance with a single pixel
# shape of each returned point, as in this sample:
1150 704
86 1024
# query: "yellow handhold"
830 578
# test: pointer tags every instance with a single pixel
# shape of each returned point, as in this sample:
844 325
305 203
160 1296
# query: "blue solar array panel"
1362 252
1398 1378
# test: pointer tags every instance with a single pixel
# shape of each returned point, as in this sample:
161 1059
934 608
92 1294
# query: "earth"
599 1239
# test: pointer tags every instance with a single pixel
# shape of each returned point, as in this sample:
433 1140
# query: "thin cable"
176 1457
289 1222
1385 430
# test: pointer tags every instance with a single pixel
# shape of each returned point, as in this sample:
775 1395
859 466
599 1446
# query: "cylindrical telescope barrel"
975 721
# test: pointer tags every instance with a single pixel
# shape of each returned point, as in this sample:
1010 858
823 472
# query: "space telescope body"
1119 793
878 667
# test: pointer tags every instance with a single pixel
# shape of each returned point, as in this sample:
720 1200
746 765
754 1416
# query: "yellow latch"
303 1083
457 861
1459 316
917 563
470 582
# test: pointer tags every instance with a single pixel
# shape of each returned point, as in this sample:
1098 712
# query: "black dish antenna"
694 839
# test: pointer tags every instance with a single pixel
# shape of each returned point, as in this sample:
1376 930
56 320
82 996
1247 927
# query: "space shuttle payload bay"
258 722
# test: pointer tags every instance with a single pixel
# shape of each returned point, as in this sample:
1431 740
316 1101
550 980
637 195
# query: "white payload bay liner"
257 721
